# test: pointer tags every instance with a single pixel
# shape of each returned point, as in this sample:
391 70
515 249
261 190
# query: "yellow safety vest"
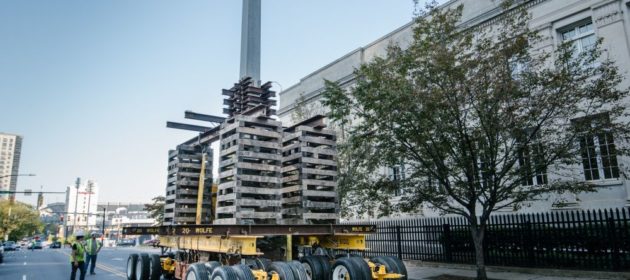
80 252
92 246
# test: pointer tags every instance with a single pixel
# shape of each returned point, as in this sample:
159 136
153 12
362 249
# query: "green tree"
479 117
18 220
156 209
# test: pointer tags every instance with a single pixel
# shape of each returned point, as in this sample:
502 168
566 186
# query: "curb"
528 270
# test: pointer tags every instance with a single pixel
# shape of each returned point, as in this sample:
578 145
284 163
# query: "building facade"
82 199
580 22
10 151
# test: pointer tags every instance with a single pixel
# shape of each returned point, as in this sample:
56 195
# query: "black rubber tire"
131 266
263 263
224 273
400 267
363 267
252 263
299 273
243 272
326 266
198 270
283 269
350 266
155 267
142 267
317 272
211 266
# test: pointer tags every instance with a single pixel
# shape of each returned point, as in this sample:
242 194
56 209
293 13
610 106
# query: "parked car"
123 243
1 254
36 245
10 246
55 245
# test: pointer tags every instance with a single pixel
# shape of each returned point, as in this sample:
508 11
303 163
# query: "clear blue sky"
90 84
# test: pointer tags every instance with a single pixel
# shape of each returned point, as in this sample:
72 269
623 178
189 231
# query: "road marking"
23 276
24 263
106 268
118 259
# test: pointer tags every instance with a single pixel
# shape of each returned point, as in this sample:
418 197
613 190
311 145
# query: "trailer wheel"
224 273
263 263
362 266
323 260
196 271
243 272
155 267
345 268
211 266
299 273
283 270
131 266
313 267
392 264
142 267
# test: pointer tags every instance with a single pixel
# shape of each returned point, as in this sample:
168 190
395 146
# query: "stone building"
580 22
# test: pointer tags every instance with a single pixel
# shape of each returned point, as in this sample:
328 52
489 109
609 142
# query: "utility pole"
90 186
103 228
76 202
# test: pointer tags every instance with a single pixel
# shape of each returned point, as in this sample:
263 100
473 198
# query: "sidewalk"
418 270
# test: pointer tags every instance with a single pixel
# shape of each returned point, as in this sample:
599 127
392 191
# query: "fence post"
529 243
447 242
614 244
399 242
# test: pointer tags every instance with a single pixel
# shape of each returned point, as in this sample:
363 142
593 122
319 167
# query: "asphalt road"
54 264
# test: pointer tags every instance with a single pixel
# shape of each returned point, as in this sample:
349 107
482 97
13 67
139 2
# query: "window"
397 174
582 37
597 149
530 161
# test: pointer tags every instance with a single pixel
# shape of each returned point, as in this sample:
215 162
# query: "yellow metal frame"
234 244
380 272
340 241
261 274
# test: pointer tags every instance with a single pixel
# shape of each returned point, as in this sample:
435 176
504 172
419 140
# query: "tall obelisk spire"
250 41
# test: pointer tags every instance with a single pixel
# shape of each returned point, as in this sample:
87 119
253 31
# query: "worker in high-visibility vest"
77 256
92 247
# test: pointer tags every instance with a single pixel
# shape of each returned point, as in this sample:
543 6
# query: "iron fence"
582 239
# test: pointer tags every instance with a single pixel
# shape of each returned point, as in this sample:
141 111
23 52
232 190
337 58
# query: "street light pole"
76 201
103 229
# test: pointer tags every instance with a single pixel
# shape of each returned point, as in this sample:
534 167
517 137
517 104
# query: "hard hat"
79 233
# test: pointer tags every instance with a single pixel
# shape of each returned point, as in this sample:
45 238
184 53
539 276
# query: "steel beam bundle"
184 168
249 169
309 174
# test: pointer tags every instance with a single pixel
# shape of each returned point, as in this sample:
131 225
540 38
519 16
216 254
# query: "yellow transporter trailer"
235 252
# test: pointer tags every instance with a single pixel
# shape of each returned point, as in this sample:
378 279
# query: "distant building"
82 198
119 215
10 150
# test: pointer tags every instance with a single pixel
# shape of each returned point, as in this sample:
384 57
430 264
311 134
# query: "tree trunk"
477 235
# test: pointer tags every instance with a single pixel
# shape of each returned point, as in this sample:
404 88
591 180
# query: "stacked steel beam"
184 168
309 174
250 158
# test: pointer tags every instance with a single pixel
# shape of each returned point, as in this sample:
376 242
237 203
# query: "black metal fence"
594 240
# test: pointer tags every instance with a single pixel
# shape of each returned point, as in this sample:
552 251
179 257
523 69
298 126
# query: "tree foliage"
475 114
156 209
18 220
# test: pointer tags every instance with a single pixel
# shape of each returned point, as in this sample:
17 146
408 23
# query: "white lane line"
23 276
24 263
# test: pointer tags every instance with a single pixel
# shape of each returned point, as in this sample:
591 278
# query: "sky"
91 84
